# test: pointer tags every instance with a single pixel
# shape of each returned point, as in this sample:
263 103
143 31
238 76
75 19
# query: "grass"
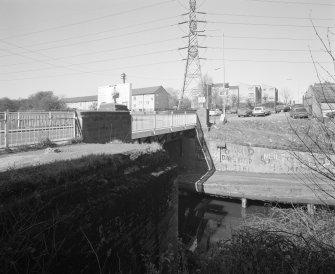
274 131
285 241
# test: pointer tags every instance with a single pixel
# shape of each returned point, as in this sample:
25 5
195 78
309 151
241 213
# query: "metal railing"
157 121
26 128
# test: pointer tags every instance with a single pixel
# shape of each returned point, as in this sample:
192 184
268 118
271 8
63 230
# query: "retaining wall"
243 158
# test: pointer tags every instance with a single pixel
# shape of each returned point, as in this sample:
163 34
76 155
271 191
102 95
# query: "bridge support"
244 202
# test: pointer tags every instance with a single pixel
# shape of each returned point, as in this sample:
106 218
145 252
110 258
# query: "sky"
72 47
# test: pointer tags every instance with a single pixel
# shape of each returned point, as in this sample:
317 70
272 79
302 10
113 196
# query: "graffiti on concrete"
232 157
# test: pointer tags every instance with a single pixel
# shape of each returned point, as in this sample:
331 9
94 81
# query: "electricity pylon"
192 77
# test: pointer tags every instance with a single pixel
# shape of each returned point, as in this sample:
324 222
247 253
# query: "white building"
149 99
119 94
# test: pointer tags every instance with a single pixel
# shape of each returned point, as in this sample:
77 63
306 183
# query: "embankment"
100 213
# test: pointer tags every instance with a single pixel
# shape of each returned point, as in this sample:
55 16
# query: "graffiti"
232 157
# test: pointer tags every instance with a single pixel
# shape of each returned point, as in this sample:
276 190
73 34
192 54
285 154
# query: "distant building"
142 99
269 94
320 99
118 94
250 94
82 103
150 99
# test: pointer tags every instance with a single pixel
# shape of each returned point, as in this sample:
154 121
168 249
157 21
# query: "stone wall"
97 214
106 126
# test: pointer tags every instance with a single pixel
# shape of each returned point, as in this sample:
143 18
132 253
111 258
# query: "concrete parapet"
203 118
105 126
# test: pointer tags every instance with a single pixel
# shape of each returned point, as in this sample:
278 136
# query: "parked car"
245 112
287 108
260 111
331 114
299 112
279 108
233 111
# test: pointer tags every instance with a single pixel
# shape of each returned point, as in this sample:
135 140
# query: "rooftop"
148 90
81 99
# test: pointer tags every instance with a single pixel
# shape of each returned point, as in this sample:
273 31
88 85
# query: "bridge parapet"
144 125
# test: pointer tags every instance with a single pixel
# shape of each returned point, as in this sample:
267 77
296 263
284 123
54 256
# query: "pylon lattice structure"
192 77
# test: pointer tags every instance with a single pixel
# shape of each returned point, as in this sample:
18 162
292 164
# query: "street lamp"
291 79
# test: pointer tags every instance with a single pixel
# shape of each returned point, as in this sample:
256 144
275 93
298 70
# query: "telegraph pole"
123 77
192 75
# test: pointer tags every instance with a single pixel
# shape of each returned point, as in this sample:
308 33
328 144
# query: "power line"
266 24
91 62
92 72
267 49
101 51
293 2
89 20
267 16
101 32
262 37
268 61
99 39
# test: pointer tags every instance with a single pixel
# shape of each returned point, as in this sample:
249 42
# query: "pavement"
60 153
283 188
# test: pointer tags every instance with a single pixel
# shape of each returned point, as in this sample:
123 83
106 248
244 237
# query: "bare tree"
317 138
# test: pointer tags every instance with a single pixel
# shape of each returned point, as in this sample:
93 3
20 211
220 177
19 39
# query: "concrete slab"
287 188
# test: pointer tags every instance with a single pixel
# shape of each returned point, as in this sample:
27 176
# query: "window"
134 98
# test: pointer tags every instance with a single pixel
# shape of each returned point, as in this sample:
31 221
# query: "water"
205 220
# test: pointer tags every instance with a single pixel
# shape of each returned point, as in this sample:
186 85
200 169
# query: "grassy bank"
286 241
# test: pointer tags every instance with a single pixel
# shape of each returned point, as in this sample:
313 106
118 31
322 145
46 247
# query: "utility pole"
224 79
123 77
192 75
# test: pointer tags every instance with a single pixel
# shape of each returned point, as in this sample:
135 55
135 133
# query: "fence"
156 121
26 128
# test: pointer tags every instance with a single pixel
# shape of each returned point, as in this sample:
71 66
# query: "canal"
205 220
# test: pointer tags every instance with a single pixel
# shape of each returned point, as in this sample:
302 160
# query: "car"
330 114
244 112
259 111
287 108
298 112
279 108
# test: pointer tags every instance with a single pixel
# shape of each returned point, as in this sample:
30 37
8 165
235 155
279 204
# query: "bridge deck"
286 188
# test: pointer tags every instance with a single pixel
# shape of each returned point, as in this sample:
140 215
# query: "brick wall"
105 126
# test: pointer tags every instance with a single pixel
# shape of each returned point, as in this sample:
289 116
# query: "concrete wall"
241 158
107 214
105 126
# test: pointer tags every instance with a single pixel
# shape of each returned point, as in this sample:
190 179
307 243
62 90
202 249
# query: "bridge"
29 128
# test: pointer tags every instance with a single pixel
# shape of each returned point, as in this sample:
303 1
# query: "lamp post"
291 79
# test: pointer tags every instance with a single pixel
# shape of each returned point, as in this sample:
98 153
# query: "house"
320 99
142 99
82 103
149 99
